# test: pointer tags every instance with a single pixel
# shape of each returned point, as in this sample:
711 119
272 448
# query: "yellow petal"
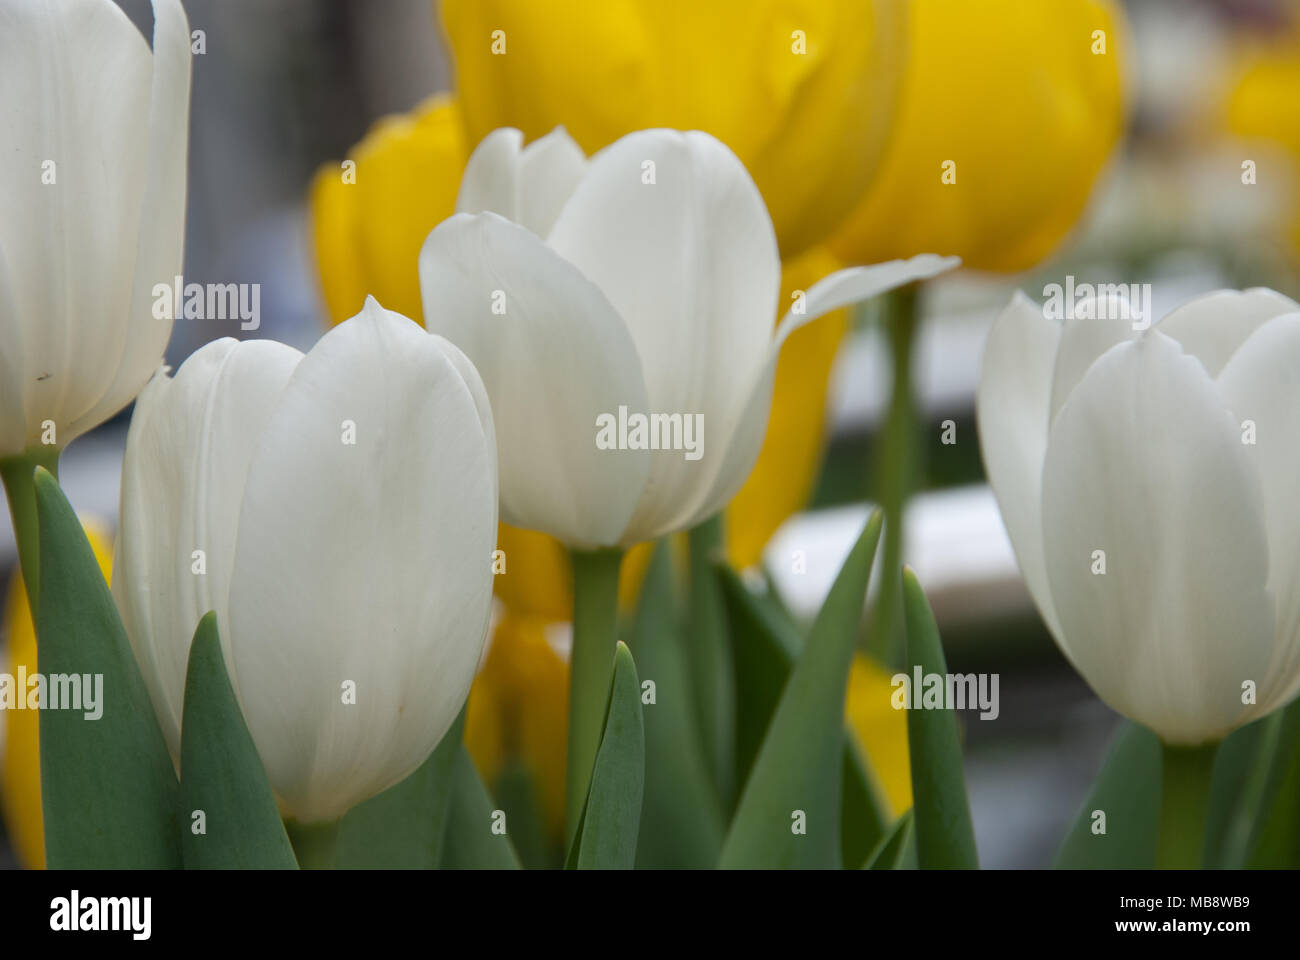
368 233
802 90
791 457
21 793
880 730
1011 93
518 707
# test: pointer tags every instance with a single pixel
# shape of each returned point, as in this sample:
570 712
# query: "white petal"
187 455
159 249
529 185
556 359
74 89
1146 463
743 430
1089 331
1261 383
1211 327
366 563
1011 409
856 284
690 263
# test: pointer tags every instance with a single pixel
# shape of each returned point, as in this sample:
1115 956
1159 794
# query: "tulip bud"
1146 478
338 512
92 210
623 325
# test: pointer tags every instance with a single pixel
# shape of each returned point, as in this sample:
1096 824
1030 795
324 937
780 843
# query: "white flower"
1167 458
93 135
345 506
654 293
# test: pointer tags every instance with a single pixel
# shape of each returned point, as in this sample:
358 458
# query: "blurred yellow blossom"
1009 110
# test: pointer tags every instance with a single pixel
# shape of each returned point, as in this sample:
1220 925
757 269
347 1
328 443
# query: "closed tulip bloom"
804 93
642 283
92 209
1146 478
338 512
1008 113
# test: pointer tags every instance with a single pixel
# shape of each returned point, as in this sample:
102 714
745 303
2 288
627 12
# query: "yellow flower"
518 708
881 731
20 798
1262 103
1009 99
802 90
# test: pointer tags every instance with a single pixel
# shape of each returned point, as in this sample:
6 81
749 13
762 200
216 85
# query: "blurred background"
286 86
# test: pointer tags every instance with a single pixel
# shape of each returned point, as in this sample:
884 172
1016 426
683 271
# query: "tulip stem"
895 471
595 633
1185 776
313 843
17 473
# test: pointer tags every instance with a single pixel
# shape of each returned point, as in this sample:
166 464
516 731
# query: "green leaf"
403 827
108 788
767 645
611 817
1240 774
681 821
799 767
222 775
1276 840
708 651
897 848
1127 791
470 843
945 838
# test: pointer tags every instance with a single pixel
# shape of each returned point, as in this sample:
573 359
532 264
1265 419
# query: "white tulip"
338 511
93 135
1146 479
653 295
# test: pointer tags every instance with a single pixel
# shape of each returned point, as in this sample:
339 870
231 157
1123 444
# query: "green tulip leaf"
403 828
108 789
681 820
1127 791
223 783
709 655
1275 843
897 848
789 812
767 645
607 831
1241 772
477 833
945 838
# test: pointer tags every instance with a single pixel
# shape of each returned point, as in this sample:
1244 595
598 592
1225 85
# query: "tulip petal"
1011 406
1213 326
74 95
688 258
159 251
187 457
1145 463
1260 384
363 557
1091 328
554 361
530 185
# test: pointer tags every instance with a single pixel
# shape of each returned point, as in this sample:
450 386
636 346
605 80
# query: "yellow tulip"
803 91
1262 103
20 791
880 730
1009 110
